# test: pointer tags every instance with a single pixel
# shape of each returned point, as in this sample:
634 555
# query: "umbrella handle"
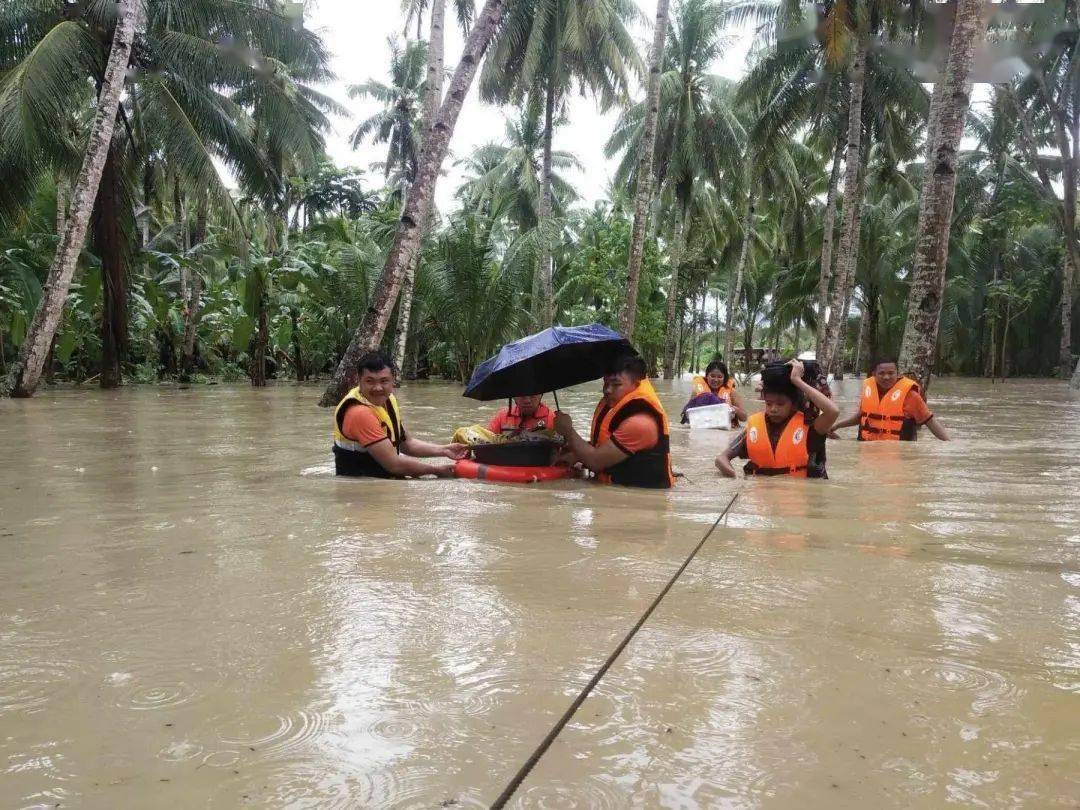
556 395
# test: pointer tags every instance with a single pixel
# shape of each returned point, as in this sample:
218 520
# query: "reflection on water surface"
194 613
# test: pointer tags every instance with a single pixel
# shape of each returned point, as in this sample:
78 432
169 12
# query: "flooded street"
195 613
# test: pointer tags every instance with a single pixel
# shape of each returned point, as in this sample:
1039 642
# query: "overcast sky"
356 32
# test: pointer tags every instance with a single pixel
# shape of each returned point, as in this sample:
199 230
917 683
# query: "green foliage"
287 263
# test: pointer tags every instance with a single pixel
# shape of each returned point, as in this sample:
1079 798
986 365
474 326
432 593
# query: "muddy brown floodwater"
195 613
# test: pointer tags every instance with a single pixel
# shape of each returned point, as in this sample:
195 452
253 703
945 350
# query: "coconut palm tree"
1045 102
515 170
398 124
39 336
193 101
950 106
409 233
644 173
542 50
698 134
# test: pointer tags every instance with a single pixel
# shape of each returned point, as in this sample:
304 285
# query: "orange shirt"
915 406
362 426
639 432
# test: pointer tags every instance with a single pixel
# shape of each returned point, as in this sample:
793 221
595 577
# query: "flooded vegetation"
195 612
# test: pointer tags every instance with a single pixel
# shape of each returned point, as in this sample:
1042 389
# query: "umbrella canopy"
547 361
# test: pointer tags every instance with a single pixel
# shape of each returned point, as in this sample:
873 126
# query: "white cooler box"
710 416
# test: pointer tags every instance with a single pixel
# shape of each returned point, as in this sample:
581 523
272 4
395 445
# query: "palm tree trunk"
407 238
111 249
939 189
828 229
1005 336
1068 274
849 237
257 370
702 324
401 333
543 214
692 360
841 338
868 331
63 197
298 355
735 290
27 369
643 191
716 334
671 328
432 102
193 299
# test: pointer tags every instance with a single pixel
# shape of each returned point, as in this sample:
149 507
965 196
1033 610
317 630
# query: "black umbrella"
547 361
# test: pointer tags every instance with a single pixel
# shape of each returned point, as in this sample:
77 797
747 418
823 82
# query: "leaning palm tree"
542 50
409 233
192 103
28 368
433 94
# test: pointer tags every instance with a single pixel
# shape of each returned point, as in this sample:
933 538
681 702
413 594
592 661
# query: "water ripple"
29 686
163 696
286 733
991 691
594 793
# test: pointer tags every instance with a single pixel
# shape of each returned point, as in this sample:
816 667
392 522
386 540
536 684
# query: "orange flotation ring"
510 475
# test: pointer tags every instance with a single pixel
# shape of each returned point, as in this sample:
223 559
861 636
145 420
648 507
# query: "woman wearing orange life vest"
778 440
891 408
630 436
717 386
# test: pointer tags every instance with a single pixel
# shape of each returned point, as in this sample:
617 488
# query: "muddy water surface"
194 613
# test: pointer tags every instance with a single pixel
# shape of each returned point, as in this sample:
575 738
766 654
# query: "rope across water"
541 749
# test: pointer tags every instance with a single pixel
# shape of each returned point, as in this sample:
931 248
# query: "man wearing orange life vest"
779 440
370 437
527 413
891 408
630 437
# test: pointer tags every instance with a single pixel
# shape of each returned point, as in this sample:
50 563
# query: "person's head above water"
527 404
779 393
716 375
885 372
376 377
623 375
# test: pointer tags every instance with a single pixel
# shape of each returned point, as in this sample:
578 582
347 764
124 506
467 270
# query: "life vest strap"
346 444
767 471
884 418
867 428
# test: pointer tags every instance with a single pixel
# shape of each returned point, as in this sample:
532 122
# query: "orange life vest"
700 386
648 468
791 457
511 421
882 419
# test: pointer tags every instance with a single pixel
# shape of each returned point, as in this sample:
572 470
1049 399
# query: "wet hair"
631 364
718 365
878 361
374 362
784 389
